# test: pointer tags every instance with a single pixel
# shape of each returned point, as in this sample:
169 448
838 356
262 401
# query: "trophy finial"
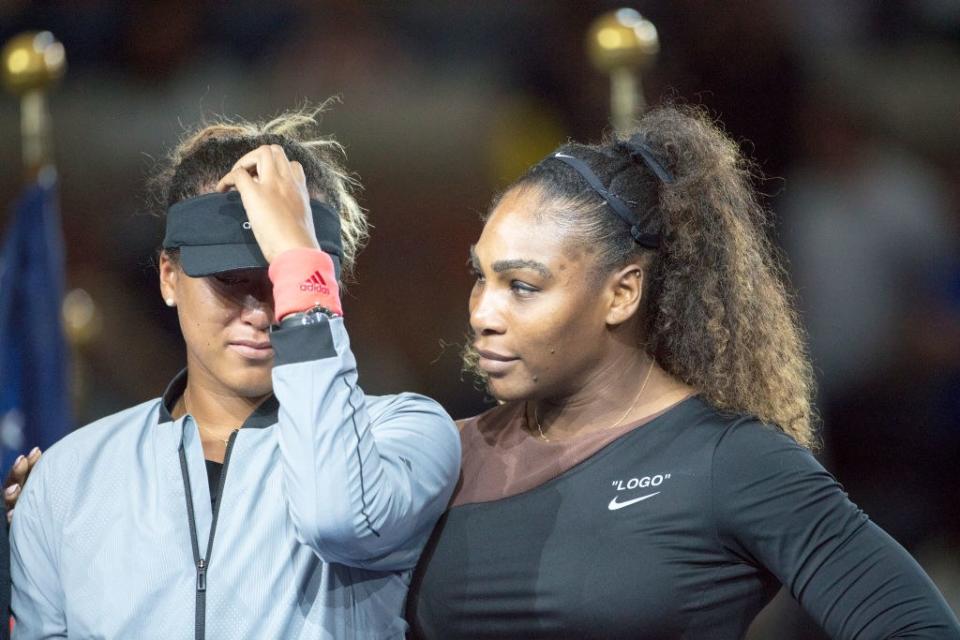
622 43
32 61
622 38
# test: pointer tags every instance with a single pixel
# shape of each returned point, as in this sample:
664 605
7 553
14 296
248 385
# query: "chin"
503 391
252 384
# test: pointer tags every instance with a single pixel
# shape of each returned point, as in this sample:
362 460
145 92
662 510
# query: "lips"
493 363
252 349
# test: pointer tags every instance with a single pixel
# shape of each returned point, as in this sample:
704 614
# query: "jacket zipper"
203 562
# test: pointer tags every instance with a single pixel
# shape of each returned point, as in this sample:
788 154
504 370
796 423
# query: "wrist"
314 315
300 244
304 278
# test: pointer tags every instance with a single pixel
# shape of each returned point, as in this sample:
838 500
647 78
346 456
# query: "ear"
169 277
625 288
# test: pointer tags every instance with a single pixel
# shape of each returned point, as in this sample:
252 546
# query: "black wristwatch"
314 315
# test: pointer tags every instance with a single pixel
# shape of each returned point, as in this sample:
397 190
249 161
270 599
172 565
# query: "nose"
257 309
486 316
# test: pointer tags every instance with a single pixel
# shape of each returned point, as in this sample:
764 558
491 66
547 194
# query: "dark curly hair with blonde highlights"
717 312
207 153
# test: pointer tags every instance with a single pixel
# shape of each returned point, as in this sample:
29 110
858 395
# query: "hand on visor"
274 194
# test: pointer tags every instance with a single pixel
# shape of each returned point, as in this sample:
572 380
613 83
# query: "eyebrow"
509 265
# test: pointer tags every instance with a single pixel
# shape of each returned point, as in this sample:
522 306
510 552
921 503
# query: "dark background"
851 109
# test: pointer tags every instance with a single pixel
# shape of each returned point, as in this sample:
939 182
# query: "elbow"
337 532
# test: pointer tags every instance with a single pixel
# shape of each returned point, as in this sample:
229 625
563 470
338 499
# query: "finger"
248 161
19 470
10 516
226 183
17 476
280 161
298 173
11 475
10 495
239 178
32 459
261 159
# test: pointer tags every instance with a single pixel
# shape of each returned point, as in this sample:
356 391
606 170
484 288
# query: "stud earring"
170 302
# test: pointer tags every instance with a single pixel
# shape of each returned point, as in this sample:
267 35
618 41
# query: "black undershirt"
213 479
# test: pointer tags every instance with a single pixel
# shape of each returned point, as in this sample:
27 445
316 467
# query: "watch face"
316 315
318 312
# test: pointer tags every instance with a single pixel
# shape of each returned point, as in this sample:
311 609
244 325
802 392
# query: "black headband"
213 234
617 205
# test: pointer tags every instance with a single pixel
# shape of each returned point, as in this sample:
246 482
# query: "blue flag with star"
34 390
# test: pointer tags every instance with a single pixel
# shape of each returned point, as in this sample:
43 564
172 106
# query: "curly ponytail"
718 316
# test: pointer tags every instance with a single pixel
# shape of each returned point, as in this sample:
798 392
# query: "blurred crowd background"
851 110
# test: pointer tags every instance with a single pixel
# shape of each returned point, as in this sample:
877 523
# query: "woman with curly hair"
264 495
648 472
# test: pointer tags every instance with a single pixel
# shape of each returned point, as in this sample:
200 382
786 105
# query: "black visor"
213 235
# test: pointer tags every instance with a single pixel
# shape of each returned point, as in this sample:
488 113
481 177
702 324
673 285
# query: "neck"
218 412
626 388
216 409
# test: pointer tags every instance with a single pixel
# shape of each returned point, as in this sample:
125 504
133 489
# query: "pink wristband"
303 279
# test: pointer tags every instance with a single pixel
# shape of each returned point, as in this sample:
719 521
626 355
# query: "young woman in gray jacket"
264 494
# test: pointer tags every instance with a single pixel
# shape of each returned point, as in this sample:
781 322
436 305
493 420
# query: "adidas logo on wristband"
316 284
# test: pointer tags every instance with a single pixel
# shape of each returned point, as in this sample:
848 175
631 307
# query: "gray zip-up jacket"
327 498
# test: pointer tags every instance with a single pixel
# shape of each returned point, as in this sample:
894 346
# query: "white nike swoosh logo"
614 505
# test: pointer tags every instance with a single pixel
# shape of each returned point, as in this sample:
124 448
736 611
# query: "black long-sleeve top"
683 528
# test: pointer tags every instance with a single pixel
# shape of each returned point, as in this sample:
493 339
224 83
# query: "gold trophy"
33 63
623 43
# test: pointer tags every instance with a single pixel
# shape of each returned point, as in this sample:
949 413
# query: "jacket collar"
263 416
